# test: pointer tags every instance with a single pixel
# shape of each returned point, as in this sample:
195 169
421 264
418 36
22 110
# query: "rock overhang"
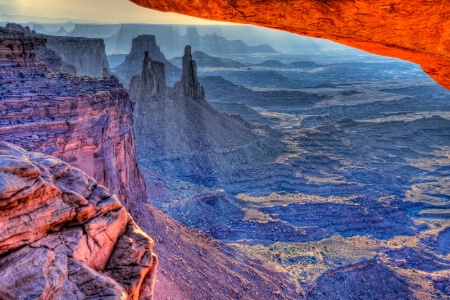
415 30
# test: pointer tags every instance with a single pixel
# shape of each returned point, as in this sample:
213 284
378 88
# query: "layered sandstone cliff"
87 55
52 59
83 121
416 31
17 53
75 55
63 236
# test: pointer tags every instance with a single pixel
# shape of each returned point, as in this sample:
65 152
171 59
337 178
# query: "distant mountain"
172 38
172 42
95 30
275 64
304 64
116 59
204 60
220 46
279 40
120 42
207 61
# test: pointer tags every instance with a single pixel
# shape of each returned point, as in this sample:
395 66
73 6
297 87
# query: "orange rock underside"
413 30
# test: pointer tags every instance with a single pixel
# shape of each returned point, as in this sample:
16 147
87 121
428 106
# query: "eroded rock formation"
63 236
152 81
417 31
87 55
133 62
17 53
52 60
180 134
83 121
74 55
189 86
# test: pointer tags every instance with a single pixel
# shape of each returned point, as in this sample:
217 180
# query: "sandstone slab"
63 236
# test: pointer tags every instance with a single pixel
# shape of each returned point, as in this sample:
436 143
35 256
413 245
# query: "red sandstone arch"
413 30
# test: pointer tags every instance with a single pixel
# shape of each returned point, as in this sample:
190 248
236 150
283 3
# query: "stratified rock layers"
93 132
85 122
417 31
62 236
18 51
87 55
79 56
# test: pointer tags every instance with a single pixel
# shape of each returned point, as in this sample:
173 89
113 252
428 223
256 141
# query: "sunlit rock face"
84 121
417 31
18 51
63 236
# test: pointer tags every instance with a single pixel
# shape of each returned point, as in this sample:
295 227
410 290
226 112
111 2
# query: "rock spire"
189 86
151 82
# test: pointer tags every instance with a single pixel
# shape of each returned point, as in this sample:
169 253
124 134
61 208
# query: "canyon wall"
63 236
417 31
52 60
18 51
86 122
87 55
80 56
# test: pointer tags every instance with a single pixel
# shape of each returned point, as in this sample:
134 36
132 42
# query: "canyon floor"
357 207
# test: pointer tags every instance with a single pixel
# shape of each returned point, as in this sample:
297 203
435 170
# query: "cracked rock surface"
62 236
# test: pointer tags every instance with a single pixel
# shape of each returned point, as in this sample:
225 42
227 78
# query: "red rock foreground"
87 122
62 236
413 30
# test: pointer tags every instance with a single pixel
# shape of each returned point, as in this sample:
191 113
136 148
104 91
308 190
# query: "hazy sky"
105 11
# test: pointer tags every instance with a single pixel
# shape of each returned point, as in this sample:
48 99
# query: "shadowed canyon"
146 161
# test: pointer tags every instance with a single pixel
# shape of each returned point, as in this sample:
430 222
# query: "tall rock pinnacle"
189 85
153 76
151 82
132 65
